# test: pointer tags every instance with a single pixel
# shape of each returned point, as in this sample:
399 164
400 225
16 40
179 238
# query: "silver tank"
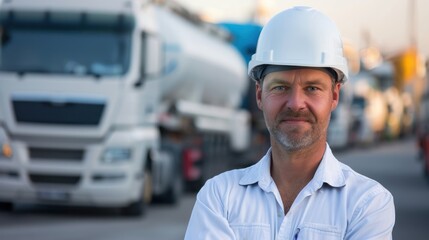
199 66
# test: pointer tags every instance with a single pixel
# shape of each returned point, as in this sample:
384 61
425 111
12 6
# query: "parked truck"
111 103
340 129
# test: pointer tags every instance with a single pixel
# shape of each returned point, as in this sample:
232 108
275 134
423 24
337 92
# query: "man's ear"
335 96
259 94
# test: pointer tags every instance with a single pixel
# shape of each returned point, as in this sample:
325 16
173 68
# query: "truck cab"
99 100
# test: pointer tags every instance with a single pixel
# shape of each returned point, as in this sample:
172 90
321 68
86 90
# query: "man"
298 190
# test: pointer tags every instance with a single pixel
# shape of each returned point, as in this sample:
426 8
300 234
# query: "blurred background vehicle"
113 103
384 75
369 109
340 126
340 129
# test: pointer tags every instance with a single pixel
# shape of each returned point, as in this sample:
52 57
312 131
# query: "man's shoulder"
219 188
231 177
230 180
360 184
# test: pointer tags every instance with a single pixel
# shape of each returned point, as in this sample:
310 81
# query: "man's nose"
296 99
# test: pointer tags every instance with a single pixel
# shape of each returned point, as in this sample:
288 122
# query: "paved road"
393 164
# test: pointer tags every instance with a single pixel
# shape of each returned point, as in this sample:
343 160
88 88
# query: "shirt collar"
259 173
329 171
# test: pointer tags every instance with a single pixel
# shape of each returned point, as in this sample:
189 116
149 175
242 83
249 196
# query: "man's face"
297 106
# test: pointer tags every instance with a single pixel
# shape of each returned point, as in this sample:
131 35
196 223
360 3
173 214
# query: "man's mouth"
296 117
295 120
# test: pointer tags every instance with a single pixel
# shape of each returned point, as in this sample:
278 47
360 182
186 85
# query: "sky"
386 22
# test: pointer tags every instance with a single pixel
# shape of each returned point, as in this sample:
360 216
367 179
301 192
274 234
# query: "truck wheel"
138 208
174 189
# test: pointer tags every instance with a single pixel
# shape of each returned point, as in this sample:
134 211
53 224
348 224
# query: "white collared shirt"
337 203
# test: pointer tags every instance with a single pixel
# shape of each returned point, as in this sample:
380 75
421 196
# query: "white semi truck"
108 103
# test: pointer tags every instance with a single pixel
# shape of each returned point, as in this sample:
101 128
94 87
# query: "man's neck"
292 170
296 164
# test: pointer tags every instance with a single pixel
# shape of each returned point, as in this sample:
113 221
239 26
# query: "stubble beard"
295 139
294 143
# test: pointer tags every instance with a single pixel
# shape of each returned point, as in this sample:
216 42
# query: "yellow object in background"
405 64
6 150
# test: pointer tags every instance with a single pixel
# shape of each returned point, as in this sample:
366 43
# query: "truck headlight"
5 147
6 150
116 155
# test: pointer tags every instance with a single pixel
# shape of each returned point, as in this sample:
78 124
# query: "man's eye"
312 89
279 88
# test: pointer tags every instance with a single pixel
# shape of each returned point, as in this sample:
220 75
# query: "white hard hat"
303 37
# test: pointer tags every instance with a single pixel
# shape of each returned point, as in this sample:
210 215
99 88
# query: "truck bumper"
71 172
114 192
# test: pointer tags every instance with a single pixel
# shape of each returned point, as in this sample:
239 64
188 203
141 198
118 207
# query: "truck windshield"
73 46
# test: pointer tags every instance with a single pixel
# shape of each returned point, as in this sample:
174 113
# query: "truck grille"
67 113
75 155
54 179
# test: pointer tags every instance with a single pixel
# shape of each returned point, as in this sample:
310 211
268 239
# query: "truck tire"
174 190
139 207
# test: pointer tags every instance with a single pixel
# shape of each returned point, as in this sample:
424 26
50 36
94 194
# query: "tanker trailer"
244 38
111 103
202 90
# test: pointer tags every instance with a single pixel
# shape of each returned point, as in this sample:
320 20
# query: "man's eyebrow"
275 81
316 81
269 83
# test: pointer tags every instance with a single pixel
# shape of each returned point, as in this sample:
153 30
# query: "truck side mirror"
151 58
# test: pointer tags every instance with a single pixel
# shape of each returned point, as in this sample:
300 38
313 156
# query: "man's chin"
294 146
294 141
